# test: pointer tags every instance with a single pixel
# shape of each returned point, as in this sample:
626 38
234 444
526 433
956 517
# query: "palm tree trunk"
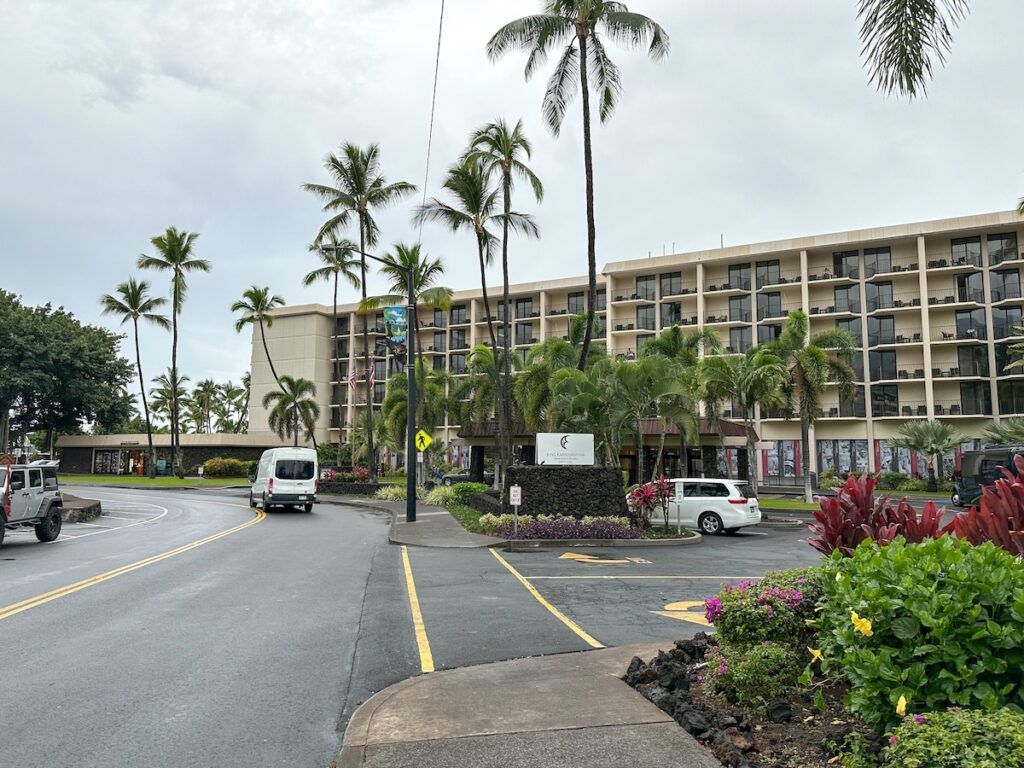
151 463
370 455
498 433
805 457
661 453
588 163
506 394
175 436
639 451
295 424
266 351
337 364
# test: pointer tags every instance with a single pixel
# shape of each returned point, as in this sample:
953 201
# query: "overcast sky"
124 117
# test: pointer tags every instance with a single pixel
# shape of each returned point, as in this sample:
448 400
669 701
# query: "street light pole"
410 367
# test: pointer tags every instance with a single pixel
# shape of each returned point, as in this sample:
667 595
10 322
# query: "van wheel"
710 523
447 482
265 507
3 529
49 529
252 501
308 507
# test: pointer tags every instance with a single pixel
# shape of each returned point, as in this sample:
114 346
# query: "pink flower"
713 609
920 719
893 740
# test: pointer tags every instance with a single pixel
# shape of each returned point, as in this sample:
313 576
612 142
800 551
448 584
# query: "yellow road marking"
592 559
55 594
589 640
681 611
426 657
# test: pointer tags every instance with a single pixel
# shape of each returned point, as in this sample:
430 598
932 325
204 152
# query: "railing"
871 270
828 273
723 284
896 301
904 336
646 325
957 371
795 277
1005 330
624 327
845 410
961 408
952 333
909 374
782 311
1006 292
959 261
645 296
1011 406
680 292
839 307
904 408
955 295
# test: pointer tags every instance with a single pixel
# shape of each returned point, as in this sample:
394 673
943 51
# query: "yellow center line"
426 657
588 639
33 602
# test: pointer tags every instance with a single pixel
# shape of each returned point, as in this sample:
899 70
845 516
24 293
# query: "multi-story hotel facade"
934 305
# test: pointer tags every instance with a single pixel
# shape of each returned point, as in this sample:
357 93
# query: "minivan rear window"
293 469
746 491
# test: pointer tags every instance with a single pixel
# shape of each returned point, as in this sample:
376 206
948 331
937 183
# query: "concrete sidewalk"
568 711
434 526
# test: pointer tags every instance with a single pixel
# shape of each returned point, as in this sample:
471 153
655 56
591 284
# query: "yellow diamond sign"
423 440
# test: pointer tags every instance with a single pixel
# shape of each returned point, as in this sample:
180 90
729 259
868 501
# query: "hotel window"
646 287
341 327
853 407
460 315
380 348
524 308
877 261
440 318
1006 321
499 334
739 276
1011 398
970 323
769 305
643 338
846 264
458 364
739 308
739 339
883 365
500 313
459 338
1005 284
335 418
441 341
598 328
881 330
602 300
671 284
524 333
847 298
339 394
885 400
856 362
439 362
879 296
966 250
1002 248
853 327
645 318
767 273
1004 356
341 349
970 287
766 334
671 313
972 360
576 305
975 398
379 389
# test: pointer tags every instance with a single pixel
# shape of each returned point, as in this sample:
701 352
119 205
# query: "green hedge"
959 739
221 467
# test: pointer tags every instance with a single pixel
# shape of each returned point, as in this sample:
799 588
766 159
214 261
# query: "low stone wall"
573 491
76 510
343 488
484 503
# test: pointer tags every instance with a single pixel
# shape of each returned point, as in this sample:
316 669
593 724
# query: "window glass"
458 364
690 490
49 477
671 284
767 273
646 287
645 318
739 308
972 360
970 287
459 315
1002 247
1005 284
1005 321
746 490
877 260
524 307
459 338
671 313
714 490
847 298
883 364
885 400
769 305
846 264
35 478
739 276
879 296
293 469
966 250
576 305
970 323
740 339
602 300
851 326
768 333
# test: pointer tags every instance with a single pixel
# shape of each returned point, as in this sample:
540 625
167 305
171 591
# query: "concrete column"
700 294
543 316
351 415
993 374
869 417
805 288
475 313
926 332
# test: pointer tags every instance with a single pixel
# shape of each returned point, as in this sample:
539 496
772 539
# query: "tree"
1006 432
755 379
434 386
292 408
256 305
479 393
205 396
505 150
577 26
811 363
683 346
360 190
336 262
167 398
581 401
174 255
133 303
932 438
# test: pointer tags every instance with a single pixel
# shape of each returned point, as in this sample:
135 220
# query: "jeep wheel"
308 507
49 528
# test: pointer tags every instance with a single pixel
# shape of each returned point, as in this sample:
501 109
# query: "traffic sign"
515 495
423 440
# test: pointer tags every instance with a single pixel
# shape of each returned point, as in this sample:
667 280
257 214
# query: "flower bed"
559 527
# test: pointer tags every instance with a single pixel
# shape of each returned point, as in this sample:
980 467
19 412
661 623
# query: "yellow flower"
839 575
901 706
861 625
816 654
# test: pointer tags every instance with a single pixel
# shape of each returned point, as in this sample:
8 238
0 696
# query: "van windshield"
293 469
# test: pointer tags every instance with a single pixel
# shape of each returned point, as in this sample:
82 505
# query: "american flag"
352 380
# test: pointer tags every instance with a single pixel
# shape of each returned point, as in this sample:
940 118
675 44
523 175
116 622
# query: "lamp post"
410 368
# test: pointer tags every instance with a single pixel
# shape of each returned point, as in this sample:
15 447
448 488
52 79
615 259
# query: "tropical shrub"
855 515
776 609
891 481
999 516
938 624
560 527
221 467
827 479
443 496
465 490
752 677
959 738
394 492
913 484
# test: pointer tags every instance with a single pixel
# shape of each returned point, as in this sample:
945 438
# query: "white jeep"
30 498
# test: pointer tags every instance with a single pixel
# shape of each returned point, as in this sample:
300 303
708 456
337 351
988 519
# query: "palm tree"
479 394
1007 432
206 395
505 150
683 346
256 305
434 386
292 408
755 379
168 397
360 189
932 438
132 303
243 413
336 262
639 390
174 255
581 401
810 365
578 26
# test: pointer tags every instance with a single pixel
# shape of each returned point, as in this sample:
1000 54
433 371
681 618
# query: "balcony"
828 274
871 272
683 293
724 286
909 374
1006 293
953 334
1011 406
845 410
904 336
961 408
792 279
954 296
895 302
635 298
956 264
842 308
946 371
769 313
736 318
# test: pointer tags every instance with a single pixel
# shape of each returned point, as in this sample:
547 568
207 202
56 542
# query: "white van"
713 506
285 477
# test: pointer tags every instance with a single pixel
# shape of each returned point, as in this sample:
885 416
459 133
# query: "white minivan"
285 477
713 506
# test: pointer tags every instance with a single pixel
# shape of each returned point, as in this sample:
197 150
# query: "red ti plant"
999 517
663 490
642 501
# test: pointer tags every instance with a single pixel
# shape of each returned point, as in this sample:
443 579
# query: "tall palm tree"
133 302
175 255
581 401
505 150
437 389
256 305
479 394
811 363
932 438
577 26
243 413
338 261
683 346
168 396
292 408
1007 432
748 381
360 190
206 395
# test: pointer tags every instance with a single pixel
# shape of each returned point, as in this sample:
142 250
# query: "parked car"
285 477
31 498
713 506
463 477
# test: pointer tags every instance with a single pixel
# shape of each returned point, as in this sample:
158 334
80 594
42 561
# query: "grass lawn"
785 504
468 516
157 482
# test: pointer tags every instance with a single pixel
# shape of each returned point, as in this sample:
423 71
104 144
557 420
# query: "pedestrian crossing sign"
423 440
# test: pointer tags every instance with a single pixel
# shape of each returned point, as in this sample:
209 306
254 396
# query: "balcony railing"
724 284
765 313
961 408
952 333
896 301
902 409
845 410
904 336
1006 292
957 371
870 270
772 280
1011 406
830 273
838 307
909 374
955 295
958 261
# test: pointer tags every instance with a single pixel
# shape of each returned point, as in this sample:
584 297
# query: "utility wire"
433 108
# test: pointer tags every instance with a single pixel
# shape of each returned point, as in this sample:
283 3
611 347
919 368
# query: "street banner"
396 328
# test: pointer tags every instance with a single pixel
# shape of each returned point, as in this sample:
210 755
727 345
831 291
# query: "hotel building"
934 306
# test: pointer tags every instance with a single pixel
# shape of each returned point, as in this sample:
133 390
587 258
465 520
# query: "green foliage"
856 752
946 627
492 524
465 490
327 454
753 676
443 496
395 492
225 467
959 738
890 481
913 484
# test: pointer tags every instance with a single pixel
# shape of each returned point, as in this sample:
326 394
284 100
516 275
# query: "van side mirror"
17 485
252 475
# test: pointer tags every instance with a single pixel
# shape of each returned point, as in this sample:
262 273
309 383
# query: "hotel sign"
565 449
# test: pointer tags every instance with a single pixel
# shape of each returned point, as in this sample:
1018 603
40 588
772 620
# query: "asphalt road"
182 629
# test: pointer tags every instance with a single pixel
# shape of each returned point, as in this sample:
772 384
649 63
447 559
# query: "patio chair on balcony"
922 410
919 373
907 411
948 335
939 409
917 337
954 409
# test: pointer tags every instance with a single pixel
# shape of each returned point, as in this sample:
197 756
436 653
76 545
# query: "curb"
131 487
516 545
783 523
